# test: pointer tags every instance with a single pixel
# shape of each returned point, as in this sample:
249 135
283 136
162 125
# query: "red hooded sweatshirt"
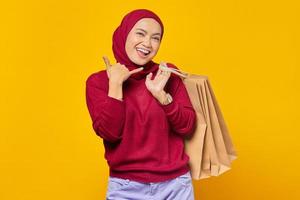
143 140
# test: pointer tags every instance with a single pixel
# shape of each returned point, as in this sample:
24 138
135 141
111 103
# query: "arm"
180 112
107 111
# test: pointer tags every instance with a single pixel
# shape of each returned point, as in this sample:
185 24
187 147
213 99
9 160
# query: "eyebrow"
146 31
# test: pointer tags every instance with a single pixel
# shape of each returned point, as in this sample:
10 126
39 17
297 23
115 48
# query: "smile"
143 52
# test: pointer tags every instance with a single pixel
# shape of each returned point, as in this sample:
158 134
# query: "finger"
106 61
164 73
159 72
149 76
168 74
163 63
136 70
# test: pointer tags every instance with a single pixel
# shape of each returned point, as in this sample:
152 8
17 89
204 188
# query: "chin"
139 61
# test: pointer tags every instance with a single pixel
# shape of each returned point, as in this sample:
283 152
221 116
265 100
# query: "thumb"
136 70
149 76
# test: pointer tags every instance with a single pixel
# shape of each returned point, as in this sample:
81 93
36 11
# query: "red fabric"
119 40
143 140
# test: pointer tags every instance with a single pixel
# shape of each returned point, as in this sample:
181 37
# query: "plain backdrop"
248 49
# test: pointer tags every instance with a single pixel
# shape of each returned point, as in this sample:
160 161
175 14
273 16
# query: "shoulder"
172 65
97 78
174 76
174 80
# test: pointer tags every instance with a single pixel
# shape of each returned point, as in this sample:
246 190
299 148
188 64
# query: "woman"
142 114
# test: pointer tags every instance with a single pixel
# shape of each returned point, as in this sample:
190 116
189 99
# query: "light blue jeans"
179 188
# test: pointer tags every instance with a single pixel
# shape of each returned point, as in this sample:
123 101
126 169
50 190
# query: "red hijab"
120 36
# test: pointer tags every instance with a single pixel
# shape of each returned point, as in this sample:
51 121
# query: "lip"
144 48
140 54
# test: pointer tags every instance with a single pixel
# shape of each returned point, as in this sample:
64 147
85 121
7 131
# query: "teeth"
143 50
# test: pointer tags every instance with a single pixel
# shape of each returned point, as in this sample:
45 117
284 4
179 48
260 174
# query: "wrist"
115 83
115 90
163 97
160 96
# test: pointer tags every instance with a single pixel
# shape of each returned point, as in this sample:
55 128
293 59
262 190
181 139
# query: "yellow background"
249 50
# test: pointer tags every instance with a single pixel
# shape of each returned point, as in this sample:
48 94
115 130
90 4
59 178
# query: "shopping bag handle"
163 66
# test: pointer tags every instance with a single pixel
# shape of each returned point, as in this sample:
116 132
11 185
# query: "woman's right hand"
118 73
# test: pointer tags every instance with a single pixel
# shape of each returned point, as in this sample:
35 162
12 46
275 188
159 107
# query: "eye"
156 38
139 33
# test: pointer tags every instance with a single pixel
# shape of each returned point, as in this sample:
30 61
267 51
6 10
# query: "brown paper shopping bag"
210 148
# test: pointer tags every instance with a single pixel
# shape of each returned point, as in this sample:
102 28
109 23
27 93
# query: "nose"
147 42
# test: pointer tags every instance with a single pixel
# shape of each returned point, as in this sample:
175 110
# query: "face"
143 41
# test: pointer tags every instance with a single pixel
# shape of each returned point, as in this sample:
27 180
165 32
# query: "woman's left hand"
156 86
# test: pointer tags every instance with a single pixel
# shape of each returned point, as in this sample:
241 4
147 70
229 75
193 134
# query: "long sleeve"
107 113
180 112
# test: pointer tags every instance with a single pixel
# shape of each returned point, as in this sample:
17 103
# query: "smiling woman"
143 41
142 120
